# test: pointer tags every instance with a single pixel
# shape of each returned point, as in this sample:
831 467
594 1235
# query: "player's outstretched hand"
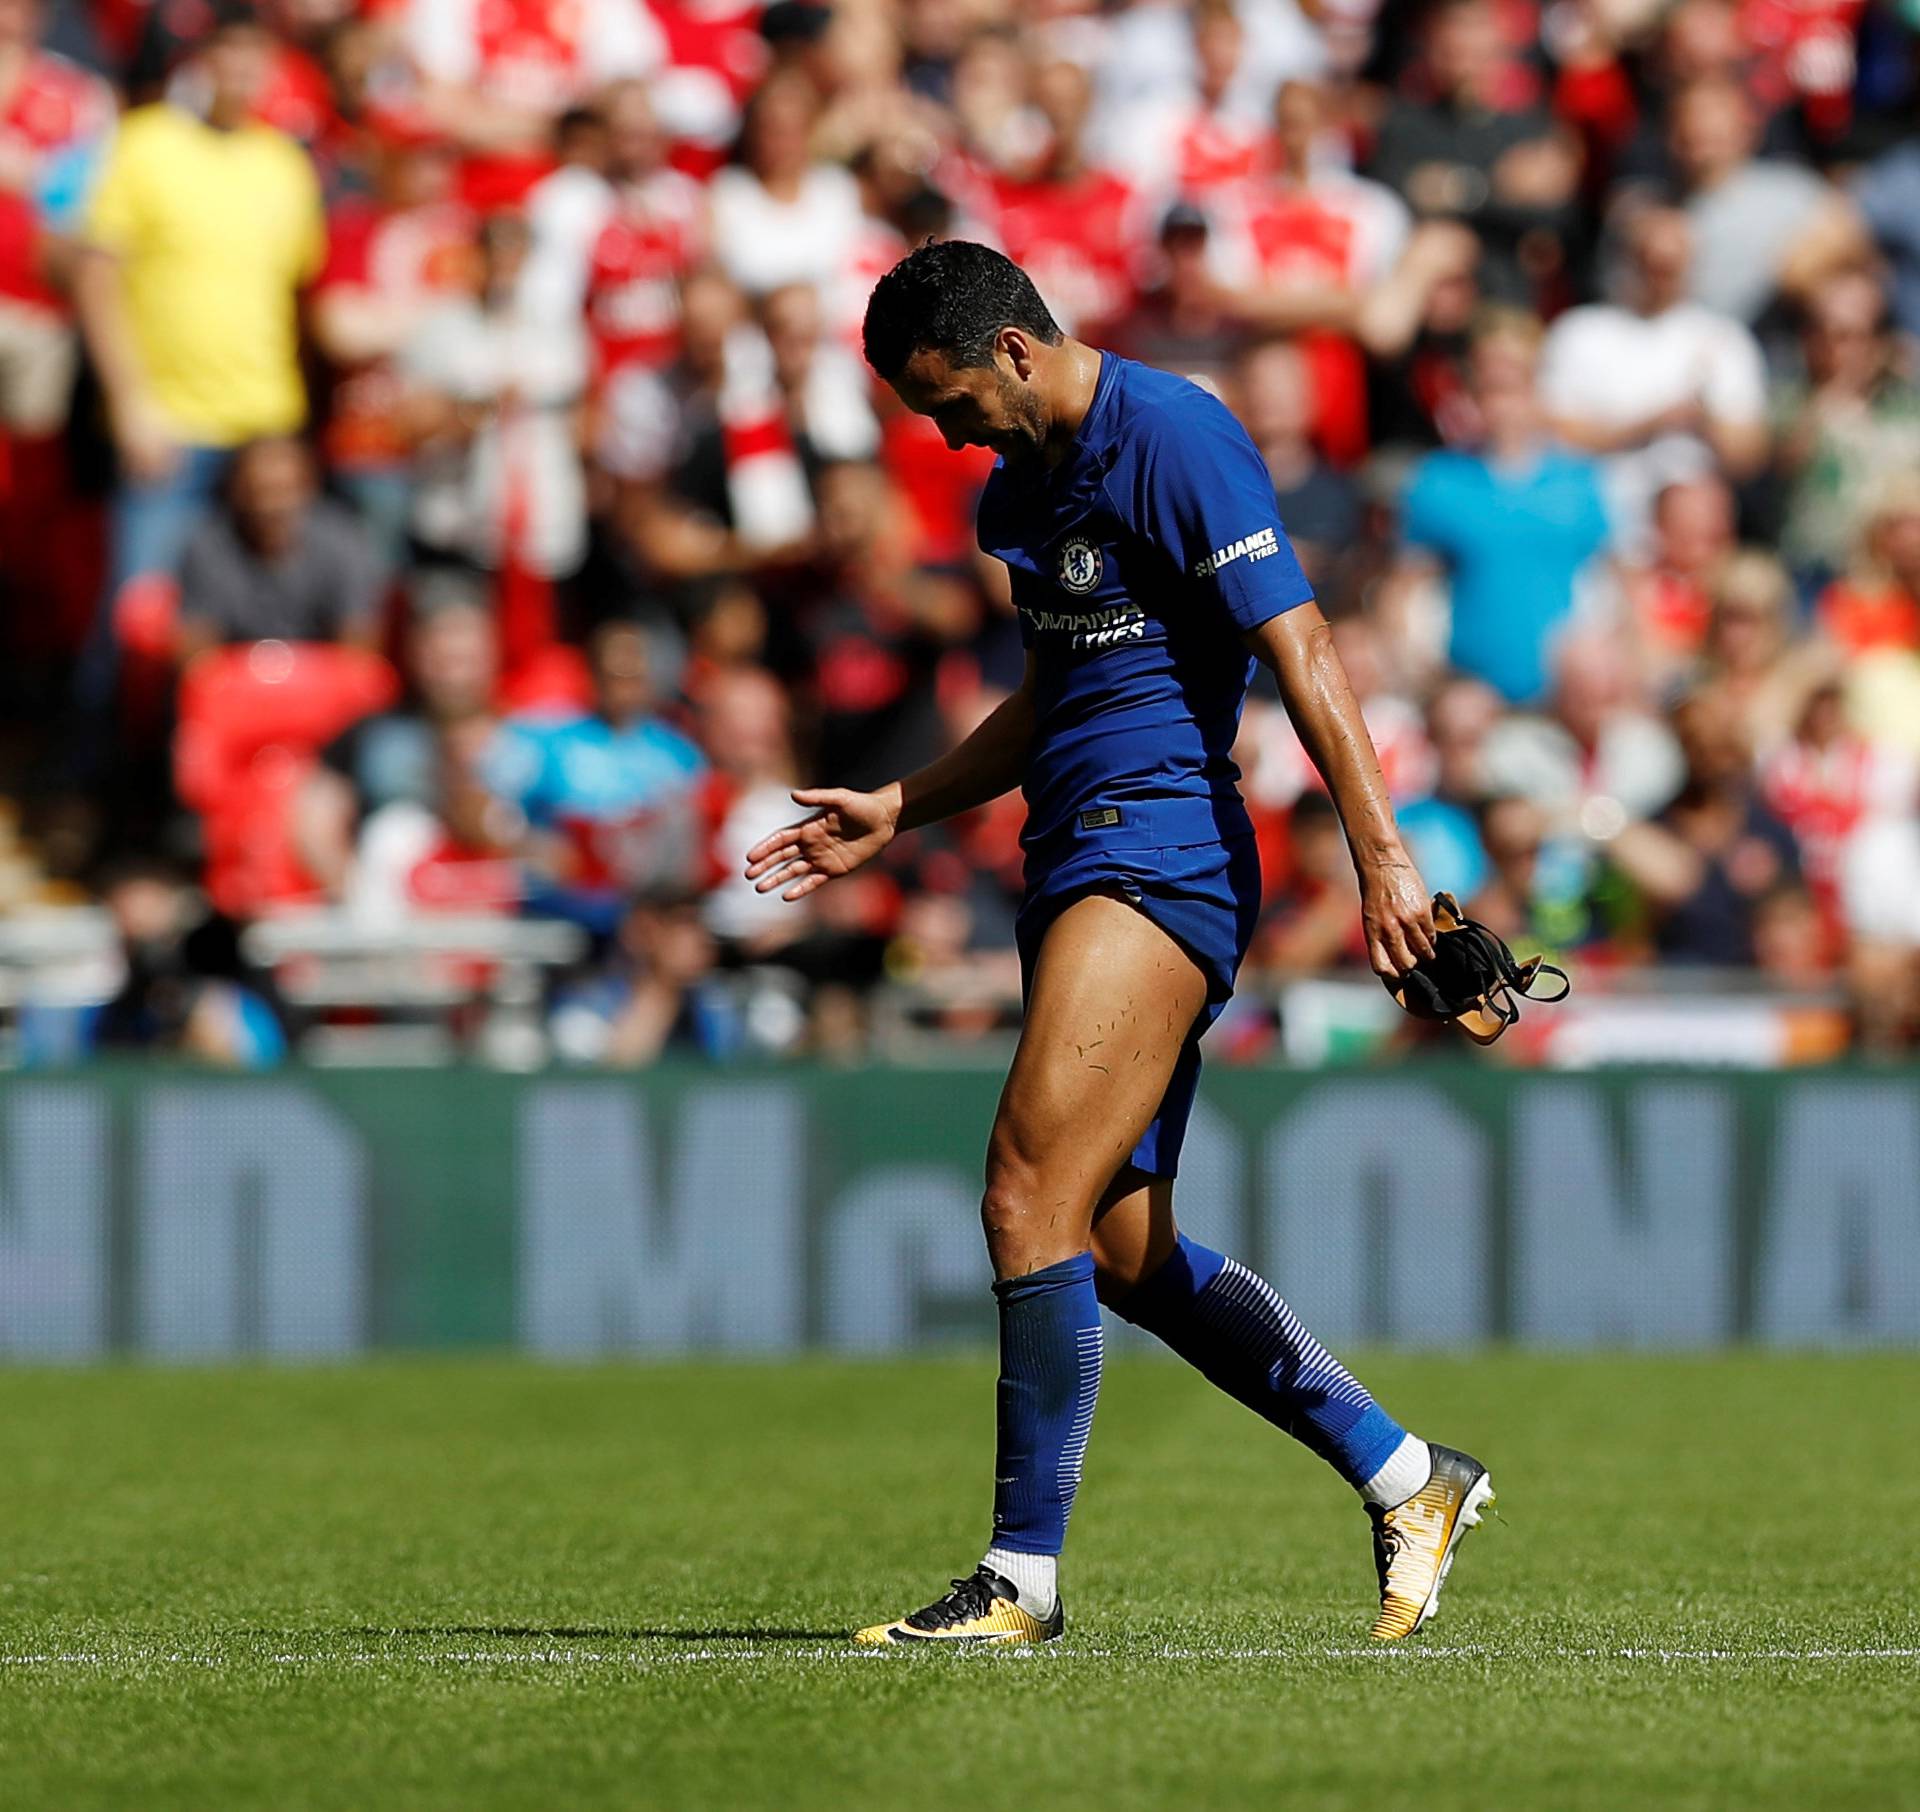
1397 917
846 830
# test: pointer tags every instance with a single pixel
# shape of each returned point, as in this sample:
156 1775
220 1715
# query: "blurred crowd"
437 475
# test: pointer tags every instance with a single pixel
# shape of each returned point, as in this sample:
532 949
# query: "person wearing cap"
1180 321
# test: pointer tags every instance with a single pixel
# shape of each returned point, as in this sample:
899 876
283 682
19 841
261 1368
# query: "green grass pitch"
491 1584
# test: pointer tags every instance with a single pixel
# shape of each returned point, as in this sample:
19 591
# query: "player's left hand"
1396 915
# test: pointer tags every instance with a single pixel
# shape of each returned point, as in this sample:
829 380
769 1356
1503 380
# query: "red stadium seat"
251 721
146 625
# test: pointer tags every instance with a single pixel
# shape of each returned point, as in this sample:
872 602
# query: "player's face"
975 405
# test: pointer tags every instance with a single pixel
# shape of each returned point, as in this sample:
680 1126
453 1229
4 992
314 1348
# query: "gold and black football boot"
982 1608
1414 1542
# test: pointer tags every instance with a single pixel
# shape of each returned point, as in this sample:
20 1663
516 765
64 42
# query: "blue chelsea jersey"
1137 565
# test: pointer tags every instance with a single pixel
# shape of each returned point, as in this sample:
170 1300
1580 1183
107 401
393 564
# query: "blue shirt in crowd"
1513 539
621 799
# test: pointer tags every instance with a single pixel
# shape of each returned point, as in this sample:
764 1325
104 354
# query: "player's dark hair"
953 297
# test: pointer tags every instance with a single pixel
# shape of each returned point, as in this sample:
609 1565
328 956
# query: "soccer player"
1150 570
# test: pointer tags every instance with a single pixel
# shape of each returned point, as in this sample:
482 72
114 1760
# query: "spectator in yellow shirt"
201 234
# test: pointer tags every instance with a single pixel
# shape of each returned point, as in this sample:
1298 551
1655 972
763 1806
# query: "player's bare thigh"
1112 1001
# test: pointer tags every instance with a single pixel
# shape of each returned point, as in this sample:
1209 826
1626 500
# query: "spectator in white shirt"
823 387
495 394
778 216
1597 757
1662 387
1760 228
1880 897
616 240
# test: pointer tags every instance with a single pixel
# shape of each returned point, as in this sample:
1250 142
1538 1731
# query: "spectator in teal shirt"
1513 523
611 797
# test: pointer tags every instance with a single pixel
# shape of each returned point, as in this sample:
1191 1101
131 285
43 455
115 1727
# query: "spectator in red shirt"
454 852
390 262
1670 595
1073 226
1311 926
715 56
1878 604
498 73
1303 245
1825 783
617 244
1191 147
1307 236
53 119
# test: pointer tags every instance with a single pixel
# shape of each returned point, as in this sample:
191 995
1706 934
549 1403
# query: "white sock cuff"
1036 1577
1408 1468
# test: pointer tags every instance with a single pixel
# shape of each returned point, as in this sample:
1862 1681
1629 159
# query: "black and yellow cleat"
981 1609
1414 1542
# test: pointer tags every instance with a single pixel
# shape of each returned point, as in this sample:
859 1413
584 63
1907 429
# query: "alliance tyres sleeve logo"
1248 547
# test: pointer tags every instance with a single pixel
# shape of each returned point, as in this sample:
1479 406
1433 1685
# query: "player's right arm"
849 828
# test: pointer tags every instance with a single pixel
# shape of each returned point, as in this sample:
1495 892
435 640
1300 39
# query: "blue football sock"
1217 1315
1050 1347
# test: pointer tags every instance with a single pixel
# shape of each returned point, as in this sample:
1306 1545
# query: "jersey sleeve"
1198 488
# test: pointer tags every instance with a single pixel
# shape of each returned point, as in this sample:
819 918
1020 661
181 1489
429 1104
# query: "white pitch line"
643 1662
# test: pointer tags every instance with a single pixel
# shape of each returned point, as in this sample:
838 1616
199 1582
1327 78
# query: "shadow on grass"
591 1632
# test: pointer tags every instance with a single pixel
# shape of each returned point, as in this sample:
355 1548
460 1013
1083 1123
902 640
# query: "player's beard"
1026 430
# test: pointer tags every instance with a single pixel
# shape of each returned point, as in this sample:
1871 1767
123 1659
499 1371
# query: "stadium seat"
146 627
250 722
